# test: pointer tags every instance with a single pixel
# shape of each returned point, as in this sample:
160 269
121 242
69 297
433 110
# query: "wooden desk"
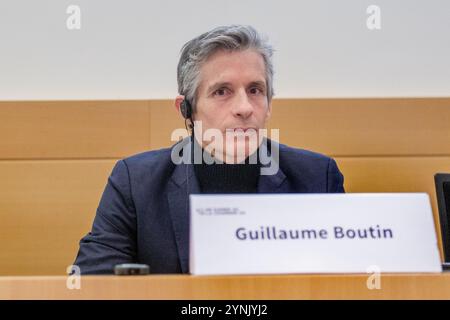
393 286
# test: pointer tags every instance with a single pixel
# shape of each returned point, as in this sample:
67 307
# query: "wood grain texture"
73 129
365 127
164 120
45 209
350 286
337 127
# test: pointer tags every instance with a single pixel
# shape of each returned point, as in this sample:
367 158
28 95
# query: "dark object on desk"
442 181
131 269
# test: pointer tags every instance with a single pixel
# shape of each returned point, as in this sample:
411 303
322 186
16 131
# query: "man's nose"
242 107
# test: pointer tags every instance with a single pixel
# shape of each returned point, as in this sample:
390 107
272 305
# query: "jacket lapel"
275 181
182 183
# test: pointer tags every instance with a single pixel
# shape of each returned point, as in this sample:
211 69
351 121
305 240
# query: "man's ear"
269 111
178 100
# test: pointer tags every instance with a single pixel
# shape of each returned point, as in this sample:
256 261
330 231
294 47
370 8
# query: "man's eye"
255 90
220 92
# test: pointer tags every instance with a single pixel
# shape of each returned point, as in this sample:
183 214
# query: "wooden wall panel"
164 119
349 127
73 129
46 206
45 209
392 174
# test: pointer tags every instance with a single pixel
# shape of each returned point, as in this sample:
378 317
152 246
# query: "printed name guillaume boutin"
273 233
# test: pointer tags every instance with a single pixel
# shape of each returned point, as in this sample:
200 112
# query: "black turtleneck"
228 178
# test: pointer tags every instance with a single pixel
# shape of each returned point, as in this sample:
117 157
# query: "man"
225 84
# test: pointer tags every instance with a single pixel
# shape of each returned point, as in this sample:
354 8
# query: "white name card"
312 233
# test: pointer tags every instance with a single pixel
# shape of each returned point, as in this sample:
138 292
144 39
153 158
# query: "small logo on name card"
219 211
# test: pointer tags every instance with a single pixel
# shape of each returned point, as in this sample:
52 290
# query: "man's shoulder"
310 171
149 163
148 157
298 155
303 163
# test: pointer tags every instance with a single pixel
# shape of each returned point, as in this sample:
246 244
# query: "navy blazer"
143 215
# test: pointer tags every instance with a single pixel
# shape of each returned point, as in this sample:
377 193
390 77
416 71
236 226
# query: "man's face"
232 97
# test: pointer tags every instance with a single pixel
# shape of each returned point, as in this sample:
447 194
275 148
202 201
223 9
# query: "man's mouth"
242 129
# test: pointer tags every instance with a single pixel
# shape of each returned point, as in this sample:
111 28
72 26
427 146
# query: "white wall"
129 49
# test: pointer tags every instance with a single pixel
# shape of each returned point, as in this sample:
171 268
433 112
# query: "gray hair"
234 38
